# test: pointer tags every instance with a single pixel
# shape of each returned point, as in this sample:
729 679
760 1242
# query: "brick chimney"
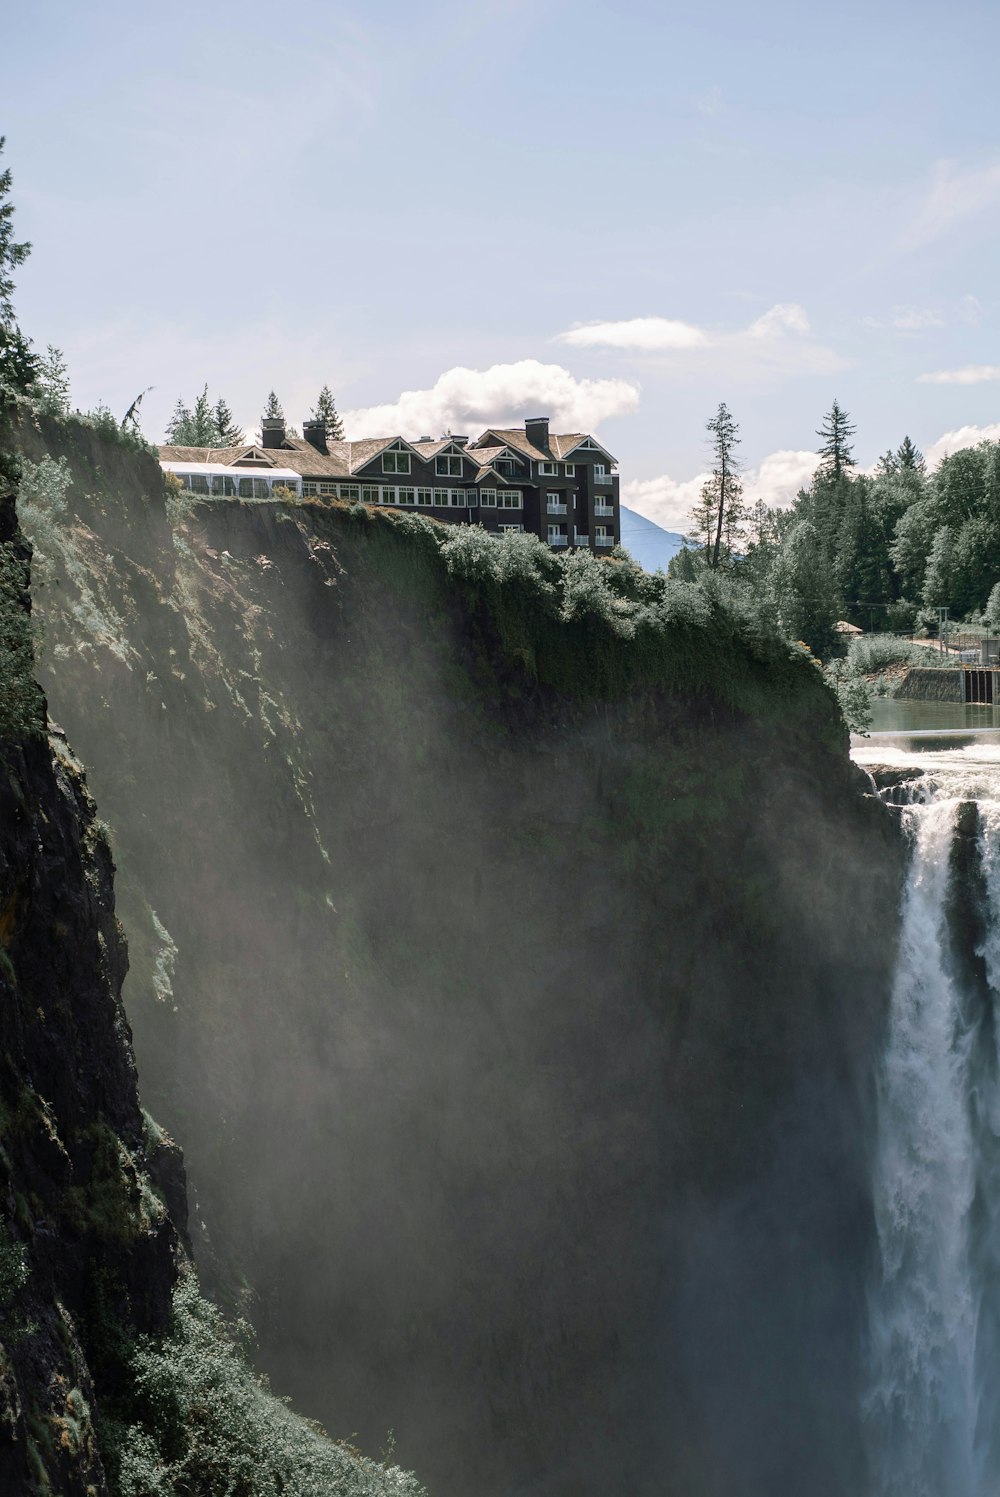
272 431
536 429
315 434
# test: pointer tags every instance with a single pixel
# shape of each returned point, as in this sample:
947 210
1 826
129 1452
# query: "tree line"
205 424
885 549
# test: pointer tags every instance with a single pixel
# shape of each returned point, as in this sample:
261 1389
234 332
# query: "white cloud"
955 195
777 479
971 310
648 334
912 319
463 399
711 101
963 436
777 341
972 374
785 317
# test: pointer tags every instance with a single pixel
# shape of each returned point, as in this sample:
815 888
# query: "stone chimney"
315 434
536 429
272 431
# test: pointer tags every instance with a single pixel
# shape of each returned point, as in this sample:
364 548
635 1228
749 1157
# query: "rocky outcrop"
513 986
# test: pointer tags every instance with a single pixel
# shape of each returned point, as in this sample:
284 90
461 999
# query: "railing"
558 540
604 478
555 509
604 511
580 540
604 540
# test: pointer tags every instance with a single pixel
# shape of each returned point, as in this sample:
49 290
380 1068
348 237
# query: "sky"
458 215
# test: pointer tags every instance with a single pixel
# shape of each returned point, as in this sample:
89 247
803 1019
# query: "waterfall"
932 1403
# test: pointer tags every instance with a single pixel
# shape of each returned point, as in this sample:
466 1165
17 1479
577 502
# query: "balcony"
580 540
554 508
604 540
604 511
558 540
604 479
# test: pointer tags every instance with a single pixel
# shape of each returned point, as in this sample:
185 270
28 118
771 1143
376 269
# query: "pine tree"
722 494
203 431
18 365
179 426
227 433
910 458
326 411
836 451
273 411
53 379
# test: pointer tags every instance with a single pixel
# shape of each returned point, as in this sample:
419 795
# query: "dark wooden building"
563 488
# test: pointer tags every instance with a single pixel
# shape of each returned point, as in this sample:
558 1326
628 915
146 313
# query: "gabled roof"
559 449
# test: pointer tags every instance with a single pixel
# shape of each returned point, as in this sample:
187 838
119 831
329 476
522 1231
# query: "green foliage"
835 450
869 653
272 410
21 702
325 410
51 392
204 426
853 693
200 1422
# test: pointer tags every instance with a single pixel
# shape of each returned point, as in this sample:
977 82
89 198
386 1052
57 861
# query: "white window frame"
371 493
554 532
350 491
401 495
548 470
426 498
452 465
507 526
387 494
488 498
509 499
396 462
570 469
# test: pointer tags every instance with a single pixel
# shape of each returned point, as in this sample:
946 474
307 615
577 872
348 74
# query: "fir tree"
273 411
53 380
326 411
722 494
909 458
836 452
179 426
18 365
227 433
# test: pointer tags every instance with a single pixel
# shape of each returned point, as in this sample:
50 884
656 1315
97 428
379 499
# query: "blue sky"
459 214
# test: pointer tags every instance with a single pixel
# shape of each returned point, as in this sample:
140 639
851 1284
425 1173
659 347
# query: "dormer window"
548 470
395 462
504 466
448 467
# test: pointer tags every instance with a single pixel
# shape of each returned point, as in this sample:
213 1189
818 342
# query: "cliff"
510 953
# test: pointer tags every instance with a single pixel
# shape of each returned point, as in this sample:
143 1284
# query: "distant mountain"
649 543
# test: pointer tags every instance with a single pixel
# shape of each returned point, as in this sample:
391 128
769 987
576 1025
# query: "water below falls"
932 1376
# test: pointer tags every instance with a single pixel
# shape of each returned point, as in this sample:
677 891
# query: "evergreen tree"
273 411
227 433
326 411
18 365
804 591
939 576
909 458
836 452
203 430
53 380
179 426
720 511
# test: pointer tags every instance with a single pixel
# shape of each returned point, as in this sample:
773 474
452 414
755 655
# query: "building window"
406 496
512 527
395 462
261 488
246 488
511 499
425 496
387 494
369 493
463 498
548 470
504 466
349 491
330 489
488 498
571 470
309 490
199 483
448 467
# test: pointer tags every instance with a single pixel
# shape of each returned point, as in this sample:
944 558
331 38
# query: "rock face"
519 1030
86 1242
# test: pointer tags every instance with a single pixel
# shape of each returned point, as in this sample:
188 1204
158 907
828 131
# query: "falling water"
932 1406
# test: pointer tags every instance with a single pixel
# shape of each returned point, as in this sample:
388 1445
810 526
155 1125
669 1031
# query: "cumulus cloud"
647 334
963 436
669 501
777 341
972 374
463 399
785 317
956 194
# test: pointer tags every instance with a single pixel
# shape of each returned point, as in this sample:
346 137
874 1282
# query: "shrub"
869 653
202 1423
21 702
